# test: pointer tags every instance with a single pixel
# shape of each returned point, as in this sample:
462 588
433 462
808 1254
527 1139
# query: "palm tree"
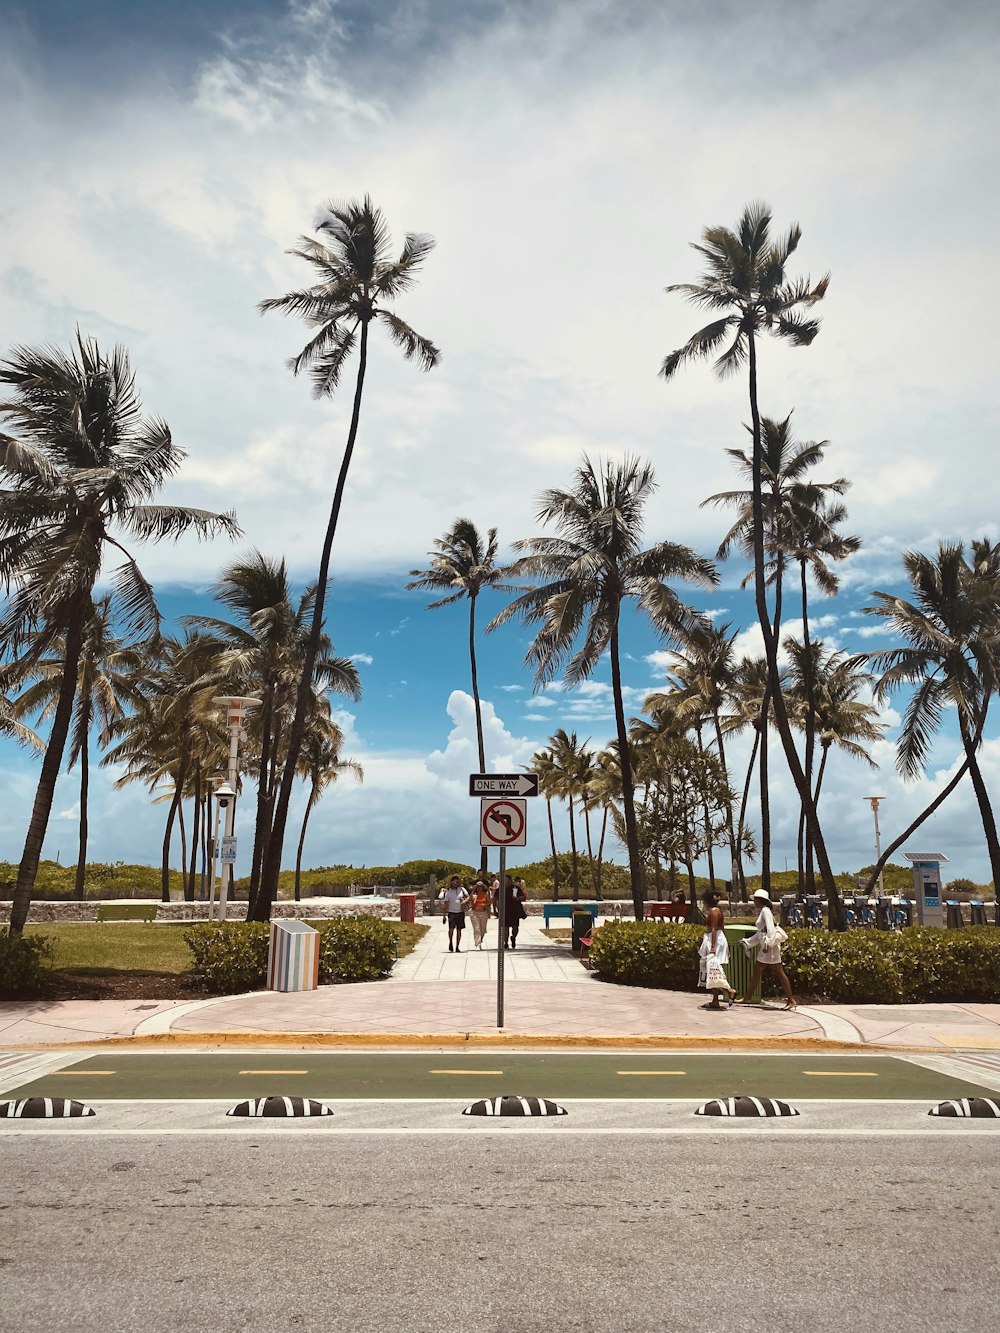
356 278
746 284
567 752
950 628
746 709
81 464
108 682
321 765
465 564
585 574
543 763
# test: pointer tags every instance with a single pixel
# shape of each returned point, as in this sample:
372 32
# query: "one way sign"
503 784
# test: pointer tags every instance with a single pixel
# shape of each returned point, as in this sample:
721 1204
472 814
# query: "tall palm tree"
356 279
80 465
320 763
108 682
746 709
543 763
746 285
463 563
950 627
584 576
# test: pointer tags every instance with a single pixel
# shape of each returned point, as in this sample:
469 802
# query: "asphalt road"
498 1234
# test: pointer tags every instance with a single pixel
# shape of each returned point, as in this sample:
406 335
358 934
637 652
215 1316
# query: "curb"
468 1040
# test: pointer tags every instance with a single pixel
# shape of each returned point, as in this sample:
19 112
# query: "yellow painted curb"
452 1040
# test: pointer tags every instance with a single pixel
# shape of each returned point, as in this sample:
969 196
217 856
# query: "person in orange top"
482 903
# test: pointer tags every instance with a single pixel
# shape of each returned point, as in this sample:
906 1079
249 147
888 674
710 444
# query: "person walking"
455 900
480 906
514 913
714 954
770 937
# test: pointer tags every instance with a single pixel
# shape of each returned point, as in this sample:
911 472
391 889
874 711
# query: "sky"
159 161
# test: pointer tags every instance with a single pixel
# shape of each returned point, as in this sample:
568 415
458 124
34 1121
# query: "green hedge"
917 966
231 957
25 965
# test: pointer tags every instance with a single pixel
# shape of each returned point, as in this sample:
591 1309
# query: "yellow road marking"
493 1073
274 1071
651 1073
840 1073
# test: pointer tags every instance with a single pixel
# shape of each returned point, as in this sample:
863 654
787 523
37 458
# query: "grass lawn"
90 949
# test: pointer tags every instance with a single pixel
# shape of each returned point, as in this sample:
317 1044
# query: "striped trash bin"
293 957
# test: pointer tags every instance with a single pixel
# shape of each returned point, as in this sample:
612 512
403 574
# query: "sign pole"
502 947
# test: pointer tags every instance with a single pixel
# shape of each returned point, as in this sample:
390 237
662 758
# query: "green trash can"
739 969
582 923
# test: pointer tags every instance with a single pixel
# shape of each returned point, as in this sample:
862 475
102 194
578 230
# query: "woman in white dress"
714 942
771 938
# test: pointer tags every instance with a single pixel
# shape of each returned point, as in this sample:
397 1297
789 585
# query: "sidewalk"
440 997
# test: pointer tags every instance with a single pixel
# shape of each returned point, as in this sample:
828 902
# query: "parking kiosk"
927 886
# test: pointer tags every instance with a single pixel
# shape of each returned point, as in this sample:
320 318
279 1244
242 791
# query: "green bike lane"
118 1075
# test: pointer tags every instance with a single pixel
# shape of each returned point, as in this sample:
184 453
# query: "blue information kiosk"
927 886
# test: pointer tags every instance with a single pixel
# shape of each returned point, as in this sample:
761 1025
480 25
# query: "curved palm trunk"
262 822
302 842
836 907
910 829
484 851
628 789
167 834
765 803
52 762
810 729
982 796
81 856
555 858
736 860
272 858
743 809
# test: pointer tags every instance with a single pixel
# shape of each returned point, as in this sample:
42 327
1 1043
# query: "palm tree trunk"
272 859
810 728
262 823
302 842
180 820
555 858
736 860
765 804
600 857
81 856
484 851
628 789
575 876
836 907
908 832
168 831
590 853
707 823
52 762
189 894
983 797
743 810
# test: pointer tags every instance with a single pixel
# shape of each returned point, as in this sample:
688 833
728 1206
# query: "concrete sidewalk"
452 997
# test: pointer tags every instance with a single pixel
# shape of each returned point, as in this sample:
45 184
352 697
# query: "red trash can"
408 907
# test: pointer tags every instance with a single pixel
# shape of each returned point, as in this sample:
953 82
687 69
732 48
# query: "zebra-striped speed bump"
982 1108
514 1106
44 1108
280 1107
752 1107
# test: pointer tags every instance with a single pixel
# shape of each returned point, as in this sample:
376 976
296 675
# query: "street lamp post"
237 707
873 801
225 799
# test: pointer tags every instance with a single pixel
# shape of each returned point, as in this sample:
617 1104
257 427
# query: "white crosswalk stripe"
18 1068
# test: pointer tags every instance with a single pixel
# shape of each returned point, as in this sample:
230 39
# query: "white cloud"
365 659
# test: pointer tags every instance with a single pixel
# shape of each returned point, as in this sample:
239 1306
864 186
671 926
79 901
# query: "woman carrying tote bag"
771 938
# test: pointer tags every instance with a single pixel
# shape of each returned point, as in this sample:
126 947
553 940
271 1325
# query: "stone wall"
235 911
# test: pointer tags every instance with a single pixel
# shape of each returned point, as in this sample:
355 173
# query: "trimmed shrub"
647 953
916 966
25 965
230 956
356 948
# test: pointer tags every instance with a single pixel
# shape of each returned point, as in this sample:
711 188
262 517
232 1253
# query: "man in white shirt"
455 900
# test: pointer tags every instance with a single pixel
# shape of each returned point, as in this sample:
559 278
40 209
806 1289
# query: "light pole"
873 802
237 707
225 799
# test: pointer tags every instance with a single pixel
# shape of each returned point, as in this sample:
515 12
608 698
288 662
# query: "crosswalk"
18 1068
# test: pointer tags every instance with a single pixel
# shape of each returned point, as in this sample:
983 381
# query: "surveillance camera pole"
237 707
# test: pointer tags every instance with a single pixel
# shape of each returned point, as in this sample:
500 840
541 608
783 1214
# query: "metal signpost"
503 823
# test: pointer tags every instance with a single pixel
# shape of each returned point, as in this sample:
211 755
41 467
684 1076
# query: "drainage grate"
515 1106
280 1107
752 1107
982 1108
44 1108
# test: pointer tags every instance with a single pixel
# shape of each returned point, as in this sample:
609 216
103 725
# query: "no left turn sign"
503 822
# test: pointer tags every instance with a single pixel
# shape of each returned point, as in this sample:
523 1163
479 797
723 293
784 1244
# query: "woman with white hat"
771 938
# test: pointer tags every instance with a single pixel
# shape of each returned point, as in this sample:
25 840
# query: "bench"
126 911
676 913
559 910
